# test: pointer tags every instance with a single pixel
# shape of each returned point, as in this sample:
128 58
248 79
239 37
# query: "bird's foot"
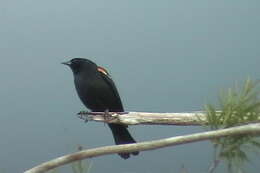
107 115
83 115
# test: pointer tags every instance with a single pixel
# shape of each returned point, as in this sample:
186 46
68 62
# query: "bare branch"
145 118
253 129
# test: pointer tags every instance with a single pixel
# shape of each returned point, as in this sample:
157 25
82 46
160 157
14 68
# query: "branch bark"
145 118
253 129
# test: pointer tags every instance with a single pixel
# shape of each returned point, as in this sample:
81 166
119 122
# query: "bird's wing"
107 78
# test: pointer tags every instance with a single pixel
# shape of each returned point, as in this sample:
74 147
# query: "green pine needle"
238 106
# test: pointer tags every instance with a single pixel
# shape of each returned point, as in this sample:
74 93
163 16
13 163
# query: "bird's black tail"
122 136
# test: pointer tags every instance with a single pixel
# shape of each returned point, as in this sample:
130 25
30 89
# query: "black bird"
98 93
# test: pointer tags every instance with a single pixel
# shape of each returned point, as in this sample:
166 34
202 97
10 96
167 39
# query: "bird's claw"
106 115
83 115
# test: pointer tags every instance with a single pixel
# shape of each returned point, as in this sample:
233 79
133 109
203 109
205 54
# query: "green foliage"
77 167
238 106
53 171
81 166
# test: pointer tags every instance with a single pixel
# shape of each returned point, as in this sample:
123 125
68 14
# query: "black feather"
98 92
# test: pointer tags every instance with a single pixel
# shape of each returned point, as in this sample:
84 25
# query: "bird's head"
78 65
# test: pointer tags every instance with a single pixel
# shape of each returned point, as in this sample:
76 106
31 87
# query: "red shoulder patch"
103 70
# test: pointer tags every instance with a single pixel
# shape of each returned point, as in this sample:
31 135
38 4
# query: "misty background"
164 56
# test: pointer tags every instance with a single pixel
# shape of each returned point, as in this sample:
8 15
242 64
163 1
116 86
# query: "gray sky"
165 56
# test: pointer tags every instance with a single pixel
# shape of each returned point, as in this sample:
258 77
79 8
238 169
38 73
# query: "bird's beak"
66 63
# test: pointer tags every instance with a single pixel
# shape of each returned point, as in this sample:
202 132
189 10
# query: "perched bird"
98 93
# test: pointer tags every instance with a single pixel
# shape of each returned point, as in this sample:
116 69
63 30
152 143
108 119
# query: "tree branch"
145 118
253 129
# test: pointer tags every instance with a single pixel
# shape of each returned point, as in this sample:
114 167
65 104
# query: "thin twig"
253 129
